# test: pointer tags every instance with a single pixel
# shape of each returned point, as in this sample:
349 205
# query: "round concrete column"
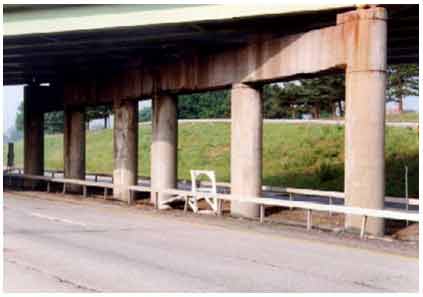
164 145
125 148
74 146
366 41
33 134
246 147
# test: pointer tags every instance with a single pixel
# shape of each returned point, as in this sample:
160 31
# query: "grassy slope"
406 116
293 155
403 117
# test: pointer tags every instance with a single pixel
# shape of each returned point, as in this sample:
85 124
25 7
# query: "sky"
13 96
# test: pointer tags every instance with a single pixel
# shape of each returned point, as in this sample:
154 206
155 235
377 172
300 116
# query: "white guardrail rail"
282 190
261 201
308 206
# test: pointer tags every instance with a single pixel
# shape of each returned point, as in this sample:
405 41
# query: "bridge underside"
120 66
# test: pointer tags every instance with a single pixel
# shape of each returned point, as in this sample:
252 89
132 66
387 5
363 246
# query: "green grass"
403 117
406 116
305 156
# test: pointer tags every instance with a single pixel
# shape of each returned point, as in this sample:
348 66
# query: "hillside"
302 156
403 117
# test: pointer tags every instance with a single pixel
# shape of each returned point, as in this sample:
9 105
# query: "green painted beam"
45 19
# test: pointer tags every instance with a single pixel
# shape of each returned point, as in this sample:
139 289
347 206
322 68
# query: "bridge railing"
291 192
412 216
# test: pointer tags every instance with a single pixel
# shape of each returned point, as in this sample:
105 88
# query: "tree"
402 82
323 93
19 118
279 100
145 114
98 112
54 122
13 135
204 105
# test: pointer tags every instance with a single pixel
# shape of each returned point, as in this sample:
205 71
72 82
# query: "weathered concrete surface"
125 147
246 147
365 113
33 135
74 146
263 59
164 144
86 245
23 278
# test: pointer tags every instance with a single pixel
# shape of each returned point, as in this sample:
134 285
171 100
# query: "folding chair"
197 189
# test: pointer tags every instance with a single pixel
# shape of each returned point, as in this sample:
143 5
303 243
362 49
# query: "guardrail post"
309 222
84 191
105 193
219 207
261 213
186 204
363 226
64 188
291 198
156 200
406 191
48 187
131 197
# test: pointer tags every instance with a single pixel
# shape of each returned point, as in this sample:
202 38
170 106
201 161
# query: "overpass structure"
74 56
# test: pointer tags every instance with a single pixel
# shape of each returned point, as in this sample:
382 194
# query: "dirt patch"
322 220
409 233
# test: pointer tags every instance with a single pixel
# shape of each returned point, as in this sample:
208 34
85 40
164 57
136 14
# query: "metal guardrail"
282 190
308 206
65 181
261 201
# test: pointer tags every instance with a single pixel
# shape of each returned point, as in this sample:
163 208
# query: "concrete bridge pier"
365 113
33 134
74 146
125 147
246 147
164 145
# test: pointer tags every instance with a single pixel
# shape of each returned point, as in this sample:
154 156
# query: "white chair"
197 189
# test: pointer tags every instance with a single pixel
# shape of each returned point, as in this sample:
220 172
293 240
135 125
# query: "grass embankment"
406 116
305 156
403 117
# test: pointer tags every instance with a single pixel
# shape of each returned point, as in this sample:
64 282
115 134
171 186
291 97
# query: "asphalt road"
62 246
